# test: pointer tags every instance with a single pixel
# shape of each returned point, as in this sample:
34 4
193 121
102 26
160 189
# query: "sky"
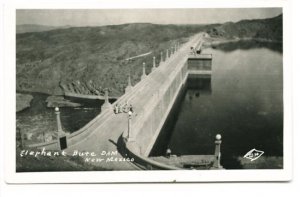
100 17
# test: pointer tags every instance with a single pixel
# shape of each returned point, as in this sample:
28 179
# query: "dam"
134 133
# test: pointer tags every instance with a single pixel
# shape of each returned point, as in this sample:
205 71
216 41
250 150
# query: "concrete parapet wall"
146 127
77 136
150 122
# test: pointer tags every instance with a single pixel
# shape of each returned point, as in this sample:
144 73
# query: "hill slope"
261 28
77 56
88 59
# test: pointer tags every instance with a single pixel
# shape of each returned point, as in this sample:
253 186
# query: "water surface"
242 101
39 118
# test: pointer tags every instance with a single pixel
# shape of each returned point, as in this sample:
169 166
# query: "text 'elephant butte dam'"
133 135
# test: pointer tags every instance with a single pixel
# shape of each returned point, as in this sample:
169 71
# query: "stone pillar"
129 86
161 57
144 71
61 135
167 54
106 105
217 160
154 64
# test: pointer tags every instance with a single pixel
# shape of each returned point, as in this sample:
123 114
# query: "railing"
200 56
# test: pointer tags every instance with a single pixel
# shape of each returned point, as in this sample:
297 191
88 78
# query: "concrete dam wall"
146 128
152 100
148 124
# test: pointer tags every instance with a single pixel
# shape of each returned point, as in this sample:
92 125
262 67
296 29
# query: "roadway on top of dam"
105 137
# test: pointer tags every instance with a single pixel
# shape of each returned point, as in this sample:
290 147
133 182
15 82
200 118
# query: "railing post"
154 64
129 86
144 71
217 160
161 57
167 54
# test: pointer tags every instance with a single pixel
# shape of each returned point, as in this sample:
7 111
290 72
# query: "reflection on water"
243 102
38 118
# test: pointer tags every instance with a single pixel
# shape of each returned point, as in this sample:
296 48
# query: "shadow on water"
193 89
38 117
199 114
37 104
248 44
197 86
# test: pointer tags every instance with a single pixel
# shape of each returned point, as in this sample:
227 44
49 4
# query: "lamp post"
217 159
61 136
60 132
129 129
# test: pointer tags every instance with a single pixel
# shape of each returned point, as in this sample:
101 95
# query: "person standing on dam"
117 107
130 108
192 52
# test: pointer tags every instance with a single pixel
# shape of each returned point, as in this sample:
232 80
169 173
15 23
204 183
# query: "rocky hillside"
82 58
270 29
88 59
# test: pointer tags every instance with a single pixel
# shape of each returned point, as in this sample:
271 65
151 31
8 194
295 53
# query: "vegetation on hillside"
270 29
50 59
89 59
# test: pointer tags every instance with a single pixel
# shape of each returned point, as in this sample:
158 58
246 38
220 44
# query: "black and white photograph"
123 93
149 89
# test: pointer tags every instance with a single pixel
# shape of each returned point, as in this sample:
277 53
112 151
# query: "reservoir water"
39 118
242 101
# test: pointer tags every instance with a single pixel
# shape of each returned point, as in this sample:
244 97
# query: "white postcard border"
9 81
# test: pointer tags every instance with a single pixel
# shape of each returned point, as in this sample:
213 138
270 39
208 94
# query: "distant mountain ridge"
270 29
26 28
